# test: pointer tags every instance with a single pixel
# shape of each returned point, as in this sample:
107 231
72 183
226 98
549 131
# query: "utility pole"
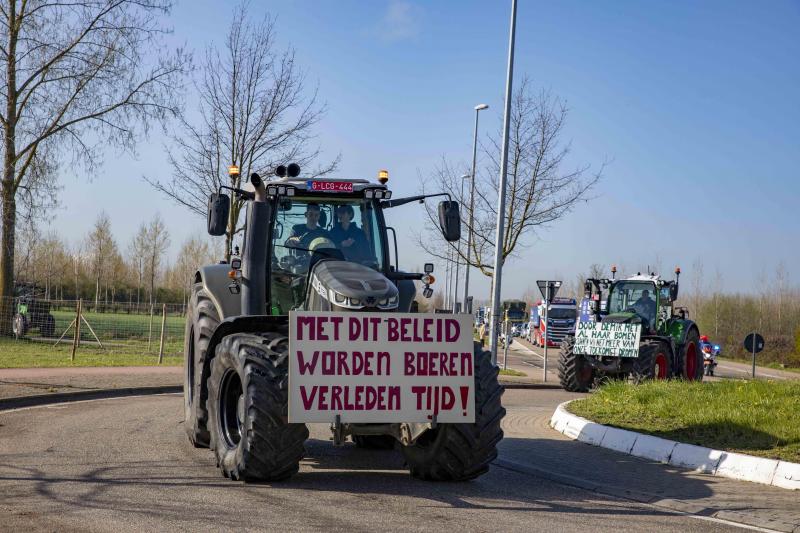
501 197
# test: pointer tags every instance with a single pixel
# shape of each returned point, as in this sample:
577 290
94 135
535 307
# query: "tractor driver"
645 306
302 234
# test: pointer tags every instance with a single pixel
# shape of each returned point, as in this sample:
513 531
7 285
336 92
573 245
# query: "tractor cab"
643 299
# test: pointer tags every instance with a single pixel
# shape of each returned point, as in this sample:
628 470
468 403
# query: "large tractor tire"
48 326
458 452
653 362
574 372
201 321
248 401
692 357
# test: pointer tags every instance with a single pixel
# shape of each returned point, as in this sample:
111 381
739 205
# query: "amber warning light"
383 176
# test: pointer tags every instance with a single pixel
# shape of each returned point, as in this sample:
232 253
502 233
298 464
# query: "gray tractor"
297 255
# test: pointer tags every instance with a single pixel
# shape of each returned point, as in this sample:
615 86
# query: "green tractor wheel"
653 362
692 357
574 372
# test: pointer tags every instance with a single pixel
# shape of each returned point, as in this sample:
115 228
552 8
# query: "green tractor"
319 245
639 309
30 312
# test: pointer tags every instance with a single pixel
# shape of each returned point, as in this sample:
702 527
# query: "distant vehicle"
515 311
31 312
710 353
561 316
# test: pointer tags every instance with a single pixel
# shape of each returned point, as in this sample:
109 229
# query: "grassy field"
26 354
119 325
509 372
754 417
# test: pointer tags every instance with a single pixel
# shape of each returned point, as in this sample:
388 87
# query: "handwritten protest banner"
380 367
605 339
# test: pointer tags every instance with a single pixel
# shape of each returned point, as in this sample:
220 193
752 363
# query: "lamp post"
458 258
478 109
501 197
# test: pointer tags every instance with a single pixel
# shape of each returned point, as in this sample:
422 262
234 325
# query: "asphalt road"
126 465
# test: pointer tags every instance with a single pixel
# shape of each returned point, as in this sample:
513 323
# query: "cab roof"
301 183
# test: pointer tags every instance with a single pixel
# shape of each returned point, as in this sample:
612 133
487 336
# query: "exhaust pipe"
254 259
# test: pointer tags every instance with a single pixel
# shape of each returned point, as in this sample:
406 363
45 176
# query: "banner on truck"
381 367
606 339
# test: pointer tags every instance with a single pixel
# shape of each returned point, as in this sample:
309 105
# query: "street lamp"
478 109
458 258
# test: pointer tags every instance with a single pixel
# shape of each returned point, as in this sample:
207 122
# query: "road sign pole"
754 355
546 335
505 348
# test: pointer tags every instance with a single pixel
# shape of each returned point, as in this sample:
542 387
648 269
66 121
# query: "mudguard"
215 281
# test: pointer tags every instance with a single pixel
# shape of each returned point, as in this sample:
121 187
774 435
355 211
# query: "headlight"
355 301
338 298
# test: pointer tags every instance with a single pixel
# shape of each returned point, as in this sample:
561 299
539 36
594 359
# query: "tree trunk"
7 253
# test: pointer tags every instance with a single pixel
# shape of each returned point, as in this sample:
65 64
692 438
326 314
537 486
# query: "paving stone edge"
17 402
782 474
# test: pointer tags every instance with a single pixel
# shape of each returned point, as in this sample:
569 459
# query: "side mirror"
673 292
219 206
450 221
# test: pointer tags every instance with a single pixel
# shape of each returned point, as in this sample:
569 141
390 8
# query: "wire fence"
31 326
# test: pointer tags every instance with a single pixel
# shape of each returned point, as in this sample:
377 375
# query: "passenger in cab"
348 237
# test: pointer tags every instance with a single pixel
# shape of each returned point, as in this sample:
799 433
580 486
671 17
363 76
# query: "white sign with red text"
380 367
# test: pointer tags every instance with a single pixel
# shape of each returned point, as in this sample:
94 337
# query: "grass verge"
753 417
31 354
509 372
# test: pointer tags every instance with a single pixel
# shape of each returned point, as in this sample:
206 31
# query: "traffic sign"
554 286
749 343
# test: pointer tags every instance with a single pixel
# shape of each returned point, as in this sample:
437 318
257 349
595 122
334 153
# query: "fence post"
76 341
150 332
163 331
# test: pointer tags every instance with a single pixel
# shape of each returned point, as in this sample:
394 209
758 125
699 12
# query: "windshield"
561 313
341 228
634 297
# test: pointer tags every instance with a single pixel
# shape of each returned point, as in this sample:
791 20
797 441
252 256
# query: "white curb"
726 464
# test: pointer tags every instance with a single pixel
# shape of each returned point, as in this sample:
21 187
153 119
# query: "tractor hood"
342 284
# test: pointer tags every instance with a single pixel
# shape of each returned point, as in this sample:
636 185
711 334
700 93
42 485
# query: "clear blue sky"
695 103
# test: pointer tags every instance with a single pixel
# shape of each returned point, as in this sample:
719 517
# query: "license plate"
330 186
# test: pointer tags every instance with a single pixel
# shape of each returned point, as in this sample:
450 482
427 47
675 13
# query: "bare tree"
194 253
100 247
75 80
254 113
137 250
157 244
539 191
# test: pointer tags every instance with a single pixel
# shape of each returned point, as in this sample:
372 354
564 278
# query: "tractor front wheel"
458 452
19 325
248 400
653 362
201 321
574 371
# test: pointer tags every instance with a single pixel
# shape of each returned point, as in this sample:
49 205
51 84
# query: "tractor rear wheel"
574 372
48 326
653 362
248 405
458 452
692 357
201 321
